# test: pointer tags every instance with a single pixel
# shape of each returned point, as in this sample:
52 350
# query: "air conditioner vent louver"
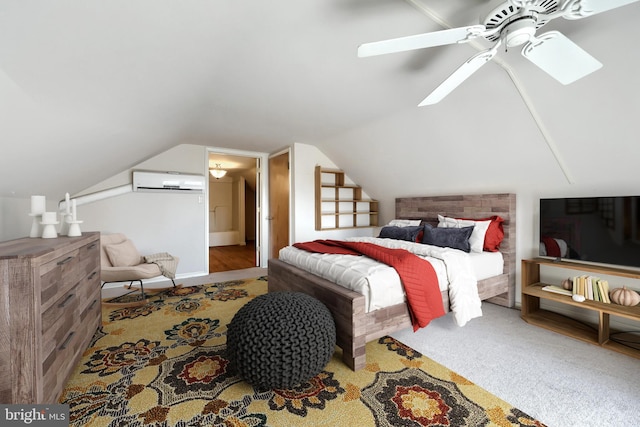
167 182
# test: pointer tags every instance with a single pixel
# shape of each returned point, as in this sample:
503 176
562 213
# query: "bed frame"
354 326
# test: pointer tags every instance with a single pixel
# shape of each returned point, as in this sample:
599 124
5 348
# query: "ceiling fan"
512 23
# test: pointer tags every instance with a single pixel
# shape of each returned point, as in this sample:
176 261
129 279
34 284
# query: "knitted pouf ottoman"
280 339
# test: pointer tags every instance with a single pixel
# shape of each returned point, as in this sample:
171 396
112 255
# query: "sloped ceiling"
90 88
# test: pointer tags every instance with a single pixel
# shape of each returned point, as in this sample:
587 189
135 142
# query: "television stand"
532 294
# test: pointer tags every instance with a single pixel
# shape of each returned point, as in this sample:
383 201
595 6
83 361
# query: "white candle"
48 217
73 209
66 203
38 205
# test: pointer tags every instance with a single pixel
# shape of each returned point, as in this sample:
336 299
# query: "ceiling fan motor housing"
510 23
521 24
519 32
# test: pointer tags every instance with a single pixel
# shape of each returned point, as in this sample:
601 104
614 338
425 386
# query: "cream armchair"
121 262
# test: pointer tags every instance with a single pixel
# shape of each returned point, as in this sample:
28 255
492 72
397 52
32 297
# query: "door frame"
270 217
262 200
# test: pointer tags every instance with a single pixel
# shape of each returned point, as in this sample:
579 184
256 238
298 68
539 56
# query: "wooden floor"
226 258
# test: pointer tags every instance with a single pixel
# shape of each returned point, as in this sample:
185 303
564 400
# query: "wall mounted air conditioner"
167 182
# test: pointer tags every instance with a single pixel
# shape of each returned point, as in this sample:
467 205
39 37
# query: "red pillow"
495 232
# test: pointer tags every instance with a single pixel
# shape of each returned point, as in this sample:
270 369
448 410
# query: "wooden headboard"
470 206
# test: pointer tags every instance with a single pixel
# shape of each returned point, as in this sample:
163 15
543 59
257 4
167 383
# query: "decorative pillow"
123 254
479 231
456 238
408 233
404 222
495 233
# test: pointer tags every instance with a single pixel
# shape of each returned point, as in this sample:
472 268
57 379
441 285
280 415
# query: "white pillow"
476 241
404 222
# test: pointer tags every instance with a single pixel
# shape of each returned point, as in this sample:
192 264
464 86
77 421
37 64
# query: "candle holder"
36 229
65 221
38 204
74 229
49 221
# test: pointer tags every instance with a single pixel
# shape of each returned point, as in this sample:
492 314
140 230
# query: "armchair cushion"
123 254
123 274
121 262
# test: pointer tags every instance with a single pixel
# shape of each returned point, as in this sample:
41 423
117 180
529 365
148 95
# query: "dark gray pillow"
410 233
456 238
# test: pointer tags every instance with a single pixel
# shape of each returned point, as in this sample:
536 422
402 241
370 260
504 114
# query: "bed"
355 326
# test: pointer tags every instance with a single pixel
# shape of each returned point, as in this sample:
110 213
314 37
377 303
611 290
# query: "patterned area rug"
164 364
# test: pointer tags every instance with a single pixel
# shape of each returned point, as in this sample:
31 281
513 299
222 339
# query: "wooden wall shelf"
340 205
532 294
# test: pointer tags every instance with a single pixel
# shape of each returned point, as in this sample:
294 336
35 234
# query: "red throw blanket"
417 275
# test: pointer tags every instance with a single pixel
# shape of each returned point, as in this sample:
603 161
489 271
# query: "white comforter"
364 275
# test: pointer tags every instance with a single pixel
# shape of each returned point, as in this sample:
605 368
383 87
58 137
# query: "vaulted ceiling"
89 88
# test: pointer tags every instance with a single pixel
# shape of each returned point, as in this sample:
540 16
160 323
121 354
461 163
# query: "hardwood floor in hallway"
226 258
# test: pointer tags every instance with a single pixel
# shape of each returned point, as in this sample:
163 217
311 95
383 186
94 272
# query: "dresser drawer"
65 314
65 339
55 368
68 303
58 276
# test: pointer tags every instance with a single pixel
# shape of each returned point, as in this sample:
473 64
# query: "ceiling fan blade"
591 7
436 38
460 75
559 57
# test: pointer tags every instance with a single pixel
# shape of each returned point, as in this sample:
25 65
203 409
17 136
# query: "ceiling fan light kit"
512 23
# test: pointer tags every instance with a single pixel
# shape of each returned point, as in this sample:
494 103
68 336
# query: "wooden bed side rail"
387 320
346 306
496 290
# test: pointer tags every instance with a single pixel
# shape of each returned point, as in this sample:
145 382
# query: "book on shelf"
591 288
596 291
557 290
605 291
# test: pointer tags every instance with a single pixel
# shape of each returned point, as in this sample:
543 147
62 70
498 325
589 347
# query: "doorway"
279 189
233 204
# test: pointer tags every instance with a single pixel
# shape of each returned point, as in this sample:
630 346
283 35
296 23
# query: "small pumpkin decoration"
567 284
624 296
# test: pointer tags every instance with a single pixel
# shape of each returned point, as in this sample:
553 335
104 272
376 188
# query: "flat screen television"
604 230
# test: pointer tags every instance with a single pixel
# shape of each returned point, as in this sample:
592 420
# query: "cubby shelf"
532 294
340 205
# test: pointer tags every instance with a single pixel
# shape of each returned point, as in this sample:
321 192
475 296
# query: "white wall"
157 222
227 208
304 160
15 221
172 222
239 202
221 207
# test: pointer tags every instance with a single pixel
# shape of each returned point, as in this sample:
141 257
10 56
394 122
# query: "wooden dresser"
49 311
